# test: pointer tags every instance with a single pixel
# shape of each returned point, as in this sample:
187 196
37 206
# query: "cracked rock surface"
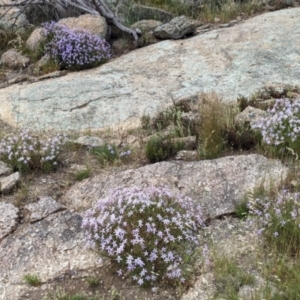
50 243
49 248
34 212
232 61
216 184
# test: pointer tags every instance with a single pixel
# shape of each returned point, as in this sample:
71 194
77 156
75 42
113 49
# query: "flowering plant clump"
110 153
147 232
279 220
75 49
25 151
281 127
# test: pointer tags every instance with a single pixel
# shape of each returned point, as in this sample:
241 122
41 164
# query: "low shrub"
281 127
75 50
160 149
24 151
150 234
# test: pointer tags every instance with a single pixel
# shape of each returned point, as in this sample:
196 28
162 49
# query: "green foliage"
108 154
280 128
241 209
32 280
83 174
228 9
288 273
11 38
279 221
105 154
159 148
60 294
229 278
217 126
92 281
24 151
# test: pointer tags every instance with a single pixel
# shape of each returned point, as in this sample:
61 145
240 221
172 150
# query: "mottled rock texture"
48 248
218 185
8 219
233 61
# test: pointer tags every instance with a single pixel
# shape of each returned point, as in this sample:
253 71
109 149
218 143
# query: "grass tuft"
32 280
229 278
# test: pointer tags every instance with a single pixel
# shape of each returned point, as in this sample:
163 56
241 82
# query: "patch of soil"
108 287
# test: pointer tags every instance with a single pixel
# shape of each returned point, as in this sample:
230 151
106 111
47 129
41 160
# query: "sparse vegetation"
229 278
241 209
25 152
279 229
159 148
32 280
83 174
161 242
92 281
109 154
217 131
280 128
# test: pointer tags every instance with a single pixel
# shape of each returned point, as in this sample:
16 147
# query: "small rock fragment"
34 212
15 60
9 182
5 169
8 219
89 141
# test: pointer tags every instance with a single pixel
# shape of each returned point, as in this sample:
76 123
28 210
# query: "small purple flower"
75 49
140 227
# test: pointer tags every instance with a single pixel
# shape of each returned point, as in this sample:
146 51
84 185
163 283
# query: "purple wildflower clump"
146 232
24 151
281 127
75 49
279 220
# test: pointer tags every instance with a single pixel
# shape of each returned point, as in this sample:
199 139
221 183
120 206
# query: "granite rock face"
49 248
218 185
234 61
50 243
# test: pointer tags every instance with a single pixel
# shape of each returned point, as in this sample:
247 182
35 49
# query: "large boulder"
218 185
235 61
95 24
